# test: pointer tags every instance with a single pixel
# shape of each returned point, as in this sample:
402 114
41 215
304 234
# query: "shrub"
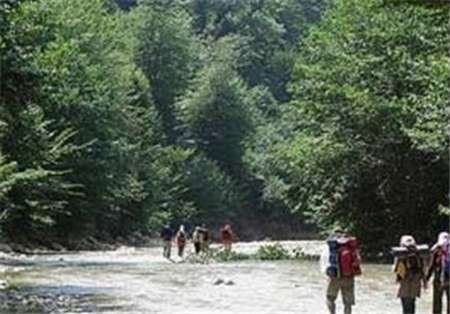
272 252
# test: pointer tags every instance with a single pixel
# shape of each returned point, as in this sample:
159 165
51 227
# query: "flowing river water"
139 280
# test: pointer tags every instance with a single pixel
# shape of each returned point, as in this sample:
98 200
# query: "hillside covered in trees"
117 116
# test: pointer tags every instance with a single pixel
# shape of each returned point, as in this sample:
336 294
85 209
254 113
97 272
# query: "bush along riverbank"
267 252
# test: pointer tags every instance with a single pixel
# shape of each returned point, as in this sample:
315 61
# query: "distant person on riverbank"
440 271
166 236
227 237
196 238
410 271
181 238
341 263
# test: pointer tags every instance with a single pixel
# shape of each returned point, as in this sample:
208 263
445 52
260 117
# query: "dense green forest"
278 116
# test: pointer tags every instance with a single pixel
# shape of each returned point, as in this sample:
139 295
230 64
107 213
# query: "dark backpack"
181 237
414 264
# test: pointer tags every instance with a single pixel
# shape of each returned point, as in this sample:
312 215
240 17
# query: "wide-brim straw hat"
407 241
443 238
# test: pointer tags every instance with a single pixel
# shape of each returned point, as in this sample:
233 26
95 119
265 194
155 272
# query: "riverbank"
249 229
49 245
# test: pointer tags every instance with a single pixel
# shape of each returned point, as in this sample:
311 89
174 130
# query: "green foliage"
118 121
8 178
268 33
167 53
82 75
213 193
268 252
217 255
371 155
230 256
171 192
272 252
36 184
216 114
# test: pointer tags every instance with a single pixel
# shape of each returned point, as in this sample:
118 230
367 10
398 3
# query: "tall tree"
87 78
166 53
217 114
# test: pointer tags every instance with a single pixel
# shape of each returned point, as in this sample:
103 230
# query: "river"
139 280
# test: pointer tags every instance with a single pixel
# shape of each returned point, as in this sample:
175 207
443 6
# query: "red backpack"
349 261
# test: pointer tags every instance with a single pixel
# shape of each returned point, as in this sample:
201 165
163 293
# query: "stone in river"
219 281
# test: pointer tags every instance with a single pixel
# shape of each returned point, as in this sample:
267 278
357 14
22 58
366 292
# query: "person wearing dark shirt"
197 239
166 236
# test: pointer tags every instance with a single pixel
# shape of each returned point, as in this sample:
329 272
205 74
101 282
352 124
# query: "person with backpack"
227 237
204 238
341 262
410 273
166 236
197 239
440 271
181 238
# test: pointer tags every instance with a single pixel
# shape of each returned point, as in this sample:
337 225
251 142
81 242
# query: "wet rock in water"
4 285
13 301
219 281
226 282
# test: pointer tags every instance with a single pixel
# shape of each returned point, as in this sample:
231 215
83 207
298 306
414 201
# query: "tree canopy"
279 116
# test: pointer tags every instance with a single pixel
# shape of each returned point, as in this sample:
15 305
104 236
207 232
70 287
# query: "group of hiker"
414 266
200 239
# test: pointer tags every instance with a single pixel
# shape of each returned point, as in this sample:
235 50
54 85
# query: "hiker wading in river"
341 262
440 271
196 238
181 239
410 272
166 236
227 237
204 238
